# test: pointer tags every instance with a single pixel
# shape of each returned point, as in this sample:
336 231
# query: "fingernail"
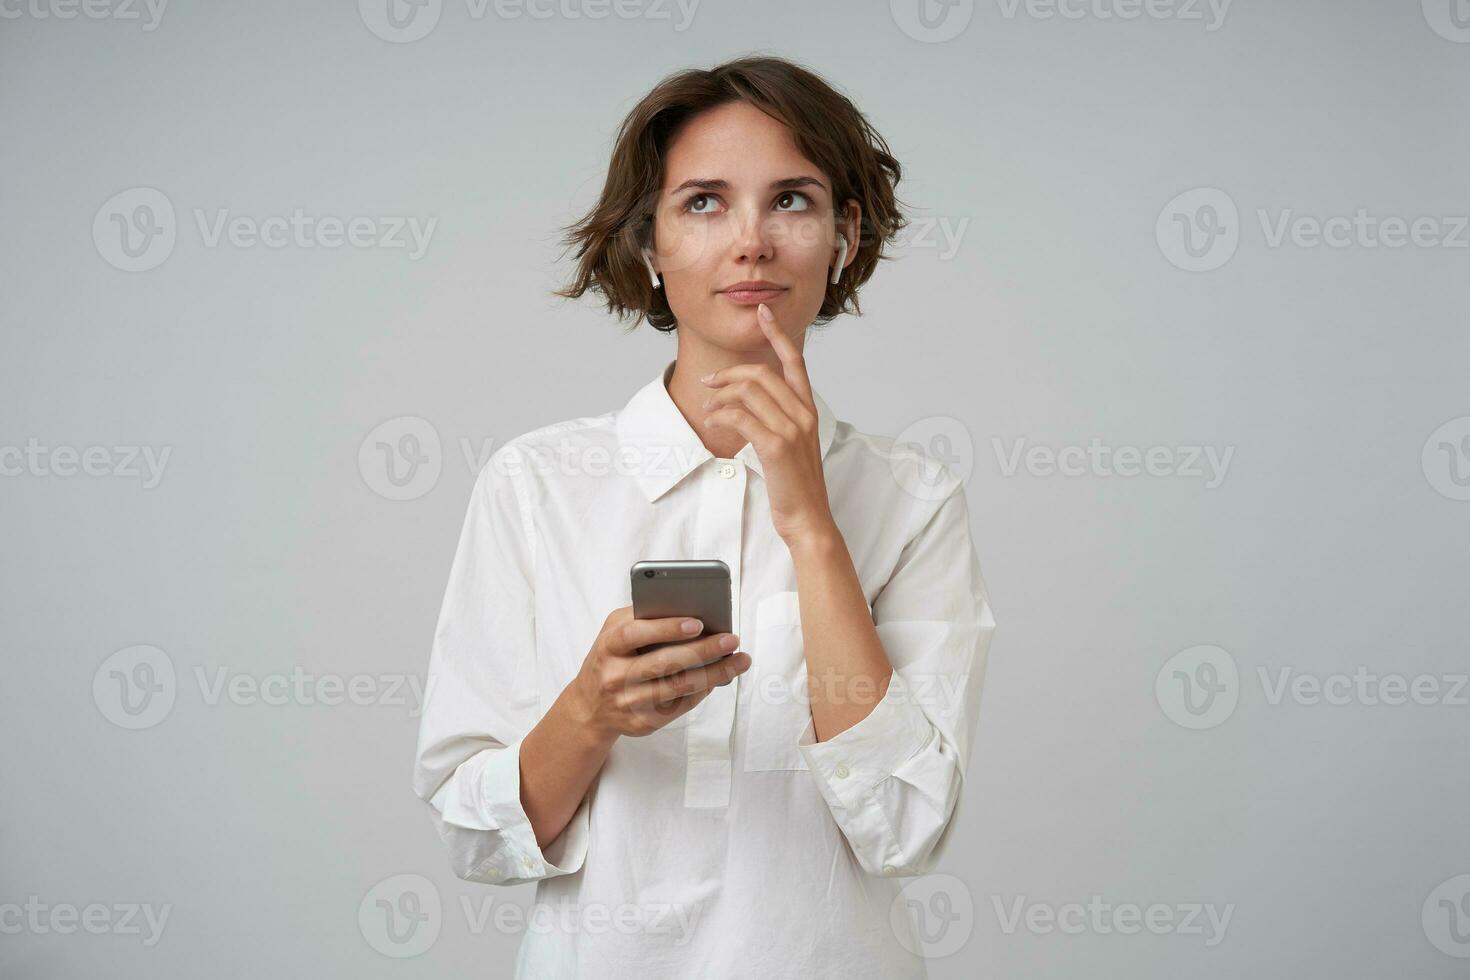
706 378
691 626
765 312
729 641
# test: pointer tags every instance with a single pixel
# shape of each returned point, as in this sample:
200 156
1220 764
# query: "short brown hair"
828 129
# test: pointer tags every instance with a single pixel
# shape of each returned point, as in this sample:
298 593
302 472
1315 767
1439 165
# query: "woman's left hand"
777 416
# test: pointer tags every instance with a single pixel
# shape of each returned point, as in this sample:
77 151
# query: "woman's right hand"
622 691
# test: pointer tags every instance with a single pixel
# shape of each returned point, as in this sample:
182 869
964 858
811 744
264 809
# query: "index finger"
793 365
631 635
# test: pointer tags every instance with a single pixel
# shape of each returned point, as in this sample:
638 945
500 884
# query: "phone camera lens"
648 573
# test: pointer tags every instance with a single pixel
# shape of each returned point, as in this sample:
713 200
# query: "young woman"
732 805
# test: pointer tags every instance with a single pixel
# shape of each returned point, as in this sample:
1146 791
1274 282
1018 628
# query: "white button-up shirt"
730 843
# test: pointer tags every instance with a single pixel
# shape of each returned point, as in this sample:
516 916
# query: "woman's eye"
689 204
795 195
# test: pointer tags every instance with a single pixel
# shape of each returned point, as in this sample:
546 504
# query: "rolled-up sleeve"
895 780
480 697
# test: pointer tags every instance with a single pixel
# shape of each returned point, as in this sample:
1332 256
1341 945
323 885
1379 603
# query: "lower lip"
752 295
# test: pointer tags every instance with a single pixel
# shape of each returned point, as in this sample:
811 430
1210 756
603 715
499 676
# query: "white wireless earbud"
841 258
652 273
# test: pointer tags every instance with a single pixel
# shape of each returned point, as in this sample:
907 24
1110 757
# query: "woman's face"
740 202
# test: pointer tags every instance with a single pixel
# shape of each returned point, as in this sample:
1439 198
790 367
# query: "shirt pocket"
779 711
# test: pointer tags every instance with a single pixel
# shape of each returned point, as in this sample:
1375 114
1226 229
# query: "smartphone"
699 588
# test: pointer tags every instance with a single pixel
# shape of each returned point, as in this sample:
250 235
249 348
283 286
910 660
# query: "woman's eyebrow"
784 184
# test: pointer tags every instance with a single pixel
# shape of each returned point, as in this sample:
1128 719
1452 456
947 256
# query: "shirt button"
726 470
888 869
841 771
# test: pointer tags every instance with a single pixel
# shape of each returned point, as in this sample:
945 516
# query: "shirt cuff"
501 788
852 762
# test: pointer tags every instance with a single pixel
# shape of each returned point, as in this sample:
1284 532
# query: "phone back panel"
698 588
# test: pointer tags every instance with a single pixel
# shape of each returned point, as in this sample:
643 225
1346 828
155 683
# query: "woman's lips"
749 296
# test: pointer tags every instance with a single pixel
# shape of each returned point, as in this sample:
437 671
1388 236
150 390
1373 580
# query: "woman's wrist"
580 720
823 539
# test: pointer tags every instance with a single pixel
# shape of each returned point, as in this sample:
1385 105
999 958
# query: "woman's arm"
894 693
560 757
508 784
847 668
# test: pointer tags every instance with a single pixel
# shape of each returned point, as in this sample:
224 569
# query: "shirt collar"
661 448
